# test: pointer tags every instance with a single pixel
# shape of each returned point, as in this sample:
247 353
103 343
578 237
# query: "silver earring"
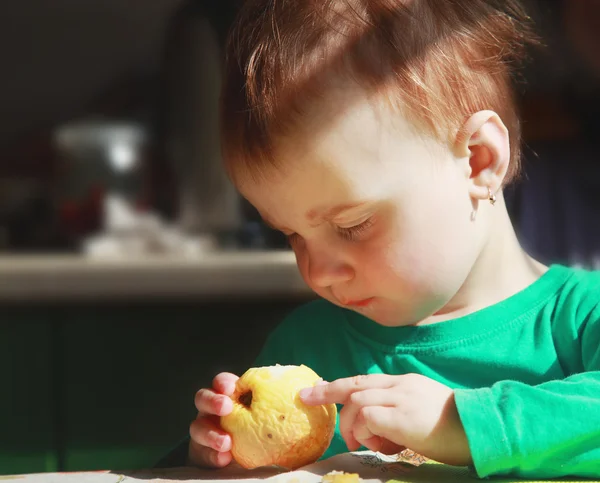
491 197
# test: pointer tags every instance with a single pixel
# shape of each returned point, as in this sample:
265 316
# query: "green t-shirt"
525 371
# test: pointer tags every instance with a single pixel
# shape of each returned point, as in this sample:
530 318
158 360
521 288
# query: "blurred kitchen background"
130 270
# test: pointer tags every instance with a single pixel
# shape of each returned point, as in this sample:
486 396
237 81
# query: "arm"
544 431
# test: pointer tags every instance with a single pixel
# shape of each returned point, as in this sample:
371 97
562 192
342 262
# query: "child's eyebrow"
331 213
319 214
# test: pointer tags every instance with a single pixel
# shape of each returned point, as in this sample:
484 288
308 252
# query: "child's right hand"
210 446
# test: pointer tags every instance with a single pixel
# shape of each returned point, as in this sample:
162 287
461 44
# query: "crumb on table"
341 477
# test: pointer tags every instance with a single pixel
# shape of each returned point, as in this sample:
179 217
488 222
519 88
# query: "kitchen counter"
214 274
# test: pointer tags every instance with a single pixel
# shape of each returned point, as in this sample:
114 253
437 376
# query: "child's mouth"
359 303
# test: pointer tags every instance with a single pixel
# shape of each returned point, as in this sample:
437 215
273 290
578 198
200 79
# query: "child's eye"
354 233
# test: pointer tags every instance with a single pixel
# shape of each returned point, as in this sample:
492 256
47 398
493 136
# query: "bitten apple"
270 425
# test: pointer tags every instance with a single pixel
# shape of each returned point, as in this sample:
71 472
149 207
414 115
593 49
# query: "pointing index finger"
340 390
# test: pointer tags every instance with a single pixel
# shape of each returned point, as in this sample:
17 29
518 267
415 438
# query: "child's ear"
484 143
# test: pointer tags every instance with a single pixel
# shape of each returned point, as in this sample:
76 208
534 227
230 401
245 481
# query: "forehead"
293 195
347 149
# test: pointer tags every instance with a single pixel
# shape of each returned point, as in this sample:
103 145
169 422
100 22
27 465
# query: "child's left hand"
409 411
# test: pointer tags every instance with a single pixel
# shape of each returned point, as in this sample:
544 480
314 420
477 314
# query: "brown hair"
443 60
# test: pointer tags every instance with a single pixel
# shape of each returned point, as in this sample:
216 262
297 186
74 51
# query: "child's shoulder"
580 280
581 290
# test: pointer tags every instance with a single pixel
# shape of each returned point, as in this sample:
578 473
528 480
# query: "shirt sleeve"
545 431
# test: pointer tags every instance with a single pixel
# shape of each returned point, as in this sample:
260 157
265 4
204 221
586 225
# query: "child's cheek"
381 255
379 245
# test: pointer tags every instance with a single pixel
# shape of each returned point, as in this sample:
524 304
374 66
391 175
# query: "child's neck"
501 270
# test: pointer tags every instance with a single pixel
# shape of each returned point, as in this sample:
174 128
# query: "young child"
378 135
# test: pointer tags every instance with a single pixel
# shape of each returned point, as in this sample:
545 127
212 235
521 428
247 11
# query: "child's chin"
386 319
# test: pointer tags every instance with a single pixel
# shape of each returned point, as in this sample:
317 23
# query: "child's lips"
359 303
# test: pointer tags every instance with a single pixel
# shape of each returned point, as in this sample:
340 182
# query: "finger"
375 397
363 434
208 458
366 437
224 383
209 402
206 433
338 391
381 421
382 445
348 416
389 447
351 410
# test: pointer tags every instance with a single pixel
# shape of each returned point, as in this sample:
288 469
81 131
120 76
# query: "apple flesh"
270 425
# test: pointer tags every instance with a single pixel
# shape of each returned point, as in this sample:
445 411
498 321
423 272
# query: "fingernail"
220 443
305 393
321 383
224 406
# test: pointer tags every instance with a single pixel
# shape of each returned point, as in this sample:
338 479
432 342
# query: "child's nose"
325 271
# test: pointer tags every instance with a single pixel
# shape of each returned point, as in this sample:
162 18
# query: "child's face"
380 219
